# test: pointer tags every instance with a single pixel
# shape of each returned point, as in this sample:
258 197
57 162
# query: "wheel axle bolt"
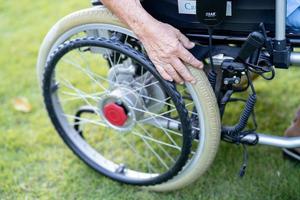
115 114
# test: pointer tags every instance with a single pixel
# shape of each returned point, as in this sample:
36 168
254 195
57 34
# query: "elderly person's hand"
167 49
165 45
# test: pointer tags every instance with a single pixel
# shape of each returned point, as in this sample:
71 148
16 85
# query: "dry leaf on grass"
22 104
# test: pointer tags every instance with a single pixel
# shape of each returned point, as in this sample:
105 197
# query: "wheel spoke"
75 96
82 95
168 135
87 73
160 143
149 165
84 120
151 149
164 101
143 87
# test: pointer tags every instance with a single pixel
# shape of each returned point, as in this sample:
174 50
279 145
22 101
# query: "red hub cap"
115 114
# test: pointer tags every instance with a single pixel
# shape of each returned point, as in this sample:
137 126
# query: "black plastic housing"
211 12
254 42
281 54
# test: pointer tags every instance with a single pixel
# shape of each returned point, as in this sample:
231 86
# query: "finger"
163 73
185 41
173 73
187 57
183 71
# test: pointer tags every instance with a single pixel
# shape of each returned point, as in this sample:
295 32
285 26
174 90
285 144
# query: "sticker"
187 7
229 9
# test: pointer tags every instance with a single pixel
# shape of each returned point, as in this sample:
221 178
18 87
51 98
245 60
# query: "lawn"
35 163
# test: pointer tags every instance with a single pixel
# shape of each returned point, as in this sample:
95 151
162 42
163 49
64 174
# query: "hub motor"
129 96
122 108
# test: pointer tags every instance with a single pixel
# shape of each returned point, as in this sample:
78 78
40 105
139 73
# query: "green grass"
35 164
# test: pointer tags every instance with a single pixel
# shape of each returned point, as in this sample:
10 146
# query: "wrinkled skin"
167 49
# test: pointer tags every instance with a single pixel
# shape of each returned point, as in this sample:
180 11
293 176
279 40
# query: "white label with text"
187 7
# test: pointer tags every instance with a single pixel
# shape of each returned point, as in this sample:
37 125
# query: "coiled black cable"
212 78
244 117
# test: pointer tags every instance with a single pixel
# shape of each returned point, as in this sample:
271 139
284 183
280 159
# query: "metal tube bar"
280 20
163 123
275 141
295 58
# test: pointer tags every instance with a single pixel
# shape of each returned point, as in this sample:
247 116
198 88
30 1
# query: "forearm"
132 13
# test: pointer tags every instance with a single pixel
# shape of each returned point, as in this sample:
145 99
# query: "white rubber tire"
96 15
202 160
199 163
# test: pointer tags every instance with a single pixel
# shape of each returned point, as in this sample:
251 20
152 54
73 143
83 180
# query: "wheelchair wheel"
202 100
134 128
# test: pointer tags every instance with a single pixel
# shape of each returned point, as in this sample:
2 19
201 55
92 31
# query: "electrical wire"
210 45
212 75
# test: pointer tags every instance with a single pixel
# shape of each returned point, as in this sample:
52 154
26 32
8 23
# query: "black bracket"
281 54
80 111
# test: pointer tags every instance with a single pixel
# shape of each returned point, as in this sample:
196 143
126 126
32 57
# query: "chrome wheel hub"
122 108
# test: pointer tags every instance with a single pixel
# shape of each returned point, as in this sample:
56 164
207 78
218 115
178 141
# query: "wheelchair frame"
281 47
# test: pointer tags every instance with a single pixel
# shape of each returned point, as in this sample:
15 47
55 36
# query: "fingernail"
193 81
181 83
193 44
